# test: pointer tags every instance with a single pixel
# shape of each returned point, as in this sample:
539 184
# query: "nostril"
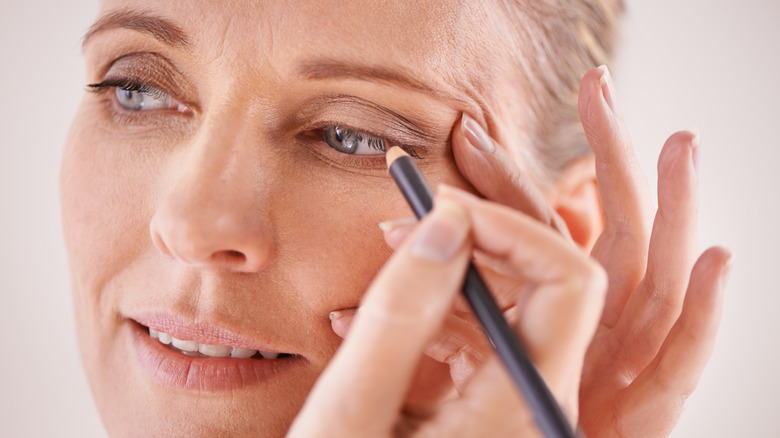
229 257
235 254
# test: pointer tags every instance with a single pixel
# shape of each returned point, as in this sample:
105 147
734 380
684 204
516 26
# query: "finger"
496 176
341 321
491 402
655 306
555 324
364 385
661 390
622 247
461 344
508 290
395 231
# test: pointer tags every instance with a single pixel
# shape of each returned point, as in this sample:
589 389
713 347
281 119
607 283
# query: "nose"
213 215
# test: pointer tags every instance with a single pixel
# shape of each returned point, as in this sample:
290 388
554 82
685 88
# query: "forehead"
447 42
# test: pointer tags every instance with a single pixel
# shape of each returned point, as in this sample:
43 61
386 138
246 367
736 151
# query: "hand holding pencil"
644 407
363 391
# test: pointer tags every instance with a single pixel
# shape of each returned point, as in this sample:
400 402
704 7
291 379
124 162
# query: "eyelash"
387 141
128 84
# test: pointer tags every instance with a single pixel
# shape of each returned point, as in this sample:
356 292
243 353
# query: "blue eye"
143 98
353 142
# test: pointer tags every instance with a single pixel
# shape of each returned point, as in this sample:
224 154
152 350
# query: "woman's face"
207 193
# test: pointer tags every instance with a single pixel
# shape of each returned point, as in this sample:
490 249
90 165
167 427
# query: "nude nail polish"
476 135
608 89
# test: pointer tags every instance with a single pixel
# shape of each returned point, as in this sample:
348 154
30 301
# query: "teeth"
242 353
267 355
184 345
192 348
165 338
214 350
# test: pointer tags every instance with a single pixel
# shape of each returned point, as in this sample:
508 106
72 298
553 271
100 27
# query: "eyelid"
153 70
131 85
340 109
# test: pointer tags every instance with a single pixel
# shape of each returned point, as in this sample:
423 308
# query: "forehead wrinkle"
142 21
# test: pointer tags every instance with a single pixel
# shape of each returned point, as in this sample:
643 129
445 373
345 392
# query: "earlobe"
576 200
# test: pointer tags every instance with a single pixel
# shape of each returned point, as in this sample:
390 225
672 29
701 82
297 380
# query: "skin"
231 211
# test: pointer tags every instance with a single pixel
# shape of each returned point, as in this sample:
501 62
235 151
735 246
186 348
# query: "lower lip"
173 369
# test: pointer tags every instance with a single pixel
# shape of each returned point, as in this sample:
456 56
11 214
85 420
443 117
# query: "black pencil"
547 412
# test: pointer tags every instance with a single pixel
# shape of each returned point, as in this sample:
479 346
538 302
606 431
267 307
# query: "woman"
222 186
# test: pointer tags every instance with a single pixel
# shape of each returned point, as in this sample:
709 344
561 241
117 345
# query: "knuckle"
661 291
591 278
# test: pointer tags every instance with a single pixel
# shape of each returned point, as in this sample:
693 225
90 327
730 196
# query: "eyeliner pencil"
547 412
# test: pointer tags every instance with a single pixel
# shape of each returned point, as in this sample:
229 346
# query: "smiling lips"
226 363
196 349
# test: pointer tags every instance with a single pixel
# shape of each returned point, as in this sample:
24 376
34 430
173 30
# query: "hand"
663 306
363 389
662 310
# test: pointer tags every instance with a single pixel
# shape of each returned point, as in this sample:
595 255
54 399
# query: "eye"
143 98
133 96
352 142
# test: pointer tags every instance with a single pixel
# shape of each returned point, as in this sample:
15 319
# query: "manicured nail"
695 141
476 135
388 227
338 314
608 89
441 233
727 269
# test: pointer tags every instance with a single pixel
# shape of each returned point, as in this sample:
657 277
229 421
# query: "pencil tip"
393 154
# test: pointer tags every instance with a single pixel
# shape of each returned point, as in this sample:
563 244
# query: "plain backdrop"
707 63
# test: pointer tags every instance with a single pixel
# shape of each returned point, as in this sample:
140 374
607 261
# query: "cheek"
105 224
330 231
104 201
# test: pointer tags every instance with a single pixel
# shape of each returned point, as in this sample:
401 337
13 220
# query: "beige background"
710 63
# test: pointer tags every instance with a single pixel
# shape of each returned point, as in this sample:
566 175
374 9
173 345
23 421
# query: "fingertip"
677 173
476 135
442 233
395 231
680 145
723 260
598 110
472 161
590 87
710 274
341 320
446 191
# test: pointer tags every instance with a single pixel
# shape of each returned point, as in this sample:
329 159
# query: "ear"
575 198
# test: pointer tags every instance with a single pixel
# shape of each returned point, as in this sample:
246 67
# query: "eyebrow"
332 69
156 27
172 35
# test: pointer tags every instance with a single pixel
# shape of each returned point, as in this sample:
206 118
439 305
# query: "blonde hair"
561 39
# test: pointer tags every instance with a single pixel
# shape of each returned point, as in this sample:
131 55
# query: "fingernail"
608 89
341 321
442 232
695 141
475 134
727 269
338 314
393 224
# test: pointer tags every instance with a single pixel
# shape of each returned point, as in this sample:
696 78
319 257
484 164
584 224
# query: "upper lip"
202 332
